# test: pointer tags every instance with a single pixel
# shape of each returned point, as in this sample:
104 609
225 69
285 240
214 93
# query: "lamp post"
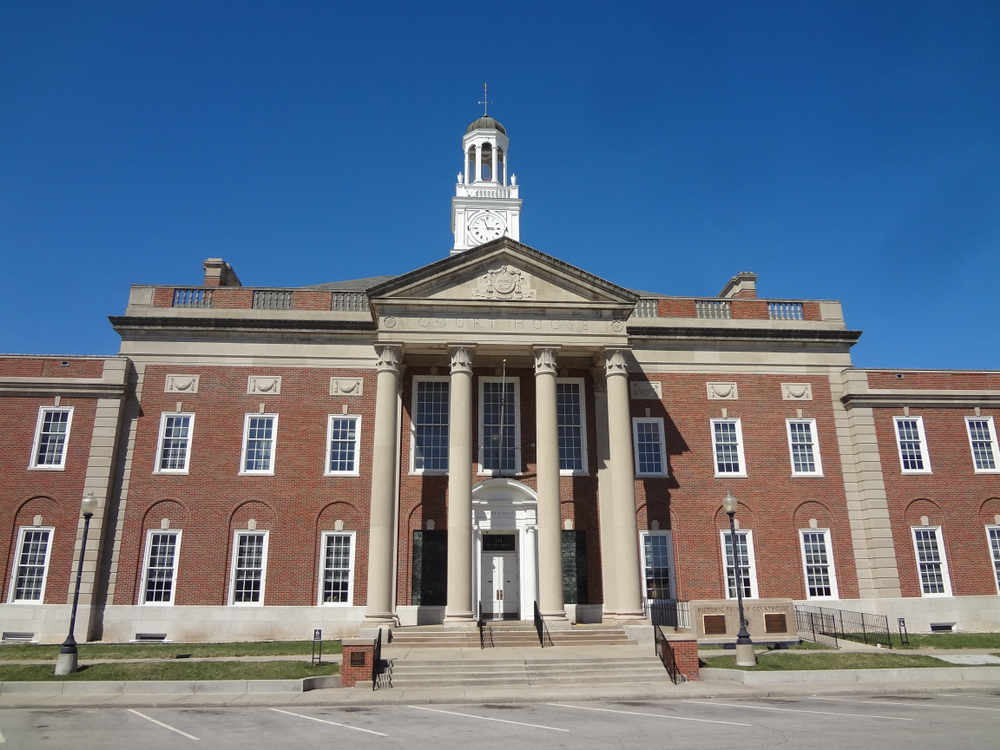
67 660
745 657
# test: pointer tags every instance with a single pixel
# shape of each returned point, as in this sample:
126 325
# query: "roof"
353 285
486 123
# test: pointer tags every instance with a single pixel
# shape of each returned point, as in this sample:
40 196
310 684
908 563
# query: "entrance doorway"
500 591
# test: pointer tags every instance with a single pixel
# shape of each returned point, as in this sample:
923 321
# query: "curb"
171 687
842 676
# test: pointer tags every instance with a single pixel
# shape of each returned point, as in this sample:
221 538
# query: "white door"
500 587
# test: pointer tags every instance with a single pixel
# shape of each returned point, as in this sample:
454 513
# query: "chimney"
220 273
742 285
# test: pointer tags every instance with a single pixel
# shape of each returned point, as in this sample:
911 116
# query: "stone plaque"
269 385
641 390
797 391
346 386
722 391
181 384
714 624
775 622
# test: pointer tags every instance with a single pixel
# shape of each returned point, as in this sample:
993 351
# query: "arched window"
470 165
501 172
487 162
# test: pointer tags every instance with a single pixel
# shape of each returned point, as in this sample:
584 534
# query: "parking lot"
926 721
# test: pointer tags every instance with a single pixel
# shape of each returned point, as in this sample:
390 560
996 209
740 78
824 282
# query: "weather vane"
485 102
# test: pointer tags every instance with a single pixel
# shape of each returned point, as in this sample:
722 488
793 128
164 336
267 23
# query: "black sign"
317 635
902 622
498 543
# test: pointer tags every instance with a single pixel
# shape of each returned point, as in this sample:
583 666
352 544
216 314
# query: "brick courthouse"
494 429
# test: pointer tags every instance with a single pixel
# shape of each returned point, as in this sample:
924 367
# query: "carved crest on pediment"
504 282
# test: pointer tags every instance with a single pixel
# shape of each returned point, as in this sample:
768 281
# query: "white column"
458 612
550 580
605 505
479 163
629 593
493 171
381 531
529 567
465 162
505 169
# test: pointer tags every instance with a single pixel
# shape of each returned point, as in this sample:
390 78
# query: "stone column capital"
545 359
461 357
600 384
389 357
616 362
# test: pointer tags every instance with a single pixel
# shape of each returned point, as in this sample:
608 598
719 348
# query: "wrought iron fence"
666 654
670 613
824 625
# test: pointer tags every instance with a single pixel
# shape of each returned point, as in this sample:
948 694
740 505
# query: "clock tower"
485 206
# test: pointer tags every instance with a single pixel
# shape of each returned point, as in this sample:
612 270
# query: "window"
983 440
803 448
249 567
650 451
160 569
931 564
912 445
430 425
174 448
259 437
993 534
657 564
500 438
748 574
821 581
337 568
572 421
31 565
51 435
727 444
342 444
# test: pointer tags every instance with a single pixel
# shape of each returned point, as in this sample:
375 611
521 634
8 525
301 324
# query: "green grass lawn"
773 661
199 670
800 646
18 652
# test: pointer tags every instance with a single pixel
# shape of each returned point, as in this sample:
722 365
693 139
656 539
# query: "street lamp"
745 657
67 660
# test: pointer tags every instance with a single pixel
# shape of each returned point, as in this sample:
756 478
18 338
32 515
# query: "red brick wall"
163 297
940 380
676 308
232 298
686 657
51 367
311 300
351 675
749 309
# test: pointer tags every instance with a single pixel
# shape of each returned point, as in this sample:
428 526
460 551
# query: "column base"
460 622
557 620
631 617
373 623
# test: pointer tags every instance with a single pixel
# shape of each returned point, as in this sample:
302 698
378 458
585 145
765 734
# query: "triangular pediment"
503 271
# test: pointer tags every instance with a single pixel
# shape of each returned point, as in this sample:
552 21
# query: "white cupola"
485 206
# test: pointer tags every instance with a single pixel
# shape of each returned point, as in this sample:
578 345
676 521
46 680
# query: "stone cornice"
137 323
898 398
68 387
780 334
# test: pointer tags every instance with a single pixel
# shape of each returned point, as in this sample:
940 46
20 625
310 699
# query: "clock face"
486 227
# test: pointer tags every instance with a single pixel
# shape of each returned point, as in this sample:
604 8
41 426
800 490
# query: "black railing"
669 613
541 628
377 660
482 633
824 625
666 654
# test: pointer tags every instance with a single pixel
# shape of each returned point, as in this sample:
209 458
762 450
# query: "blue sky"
841 150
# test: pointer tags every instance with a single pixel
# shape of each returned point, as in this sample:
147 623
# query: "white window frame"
159 443
517 426
994 552
658 421
666 533
269 472
831 570
584 471
33 460
993 444
176 533
939 537
818 472
356 471
263 569
924 455
17 565
417 379
739 448
322 569
751 567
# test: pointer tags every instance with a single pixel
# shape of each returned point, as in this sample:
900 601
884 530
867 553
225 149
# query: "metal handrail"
825 625
666 654
377 660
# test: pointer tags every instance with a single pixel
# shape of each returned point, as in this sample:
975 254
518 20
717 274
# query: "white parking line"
798 711
165 726
488 718
325 721
2 738
658 716
915 704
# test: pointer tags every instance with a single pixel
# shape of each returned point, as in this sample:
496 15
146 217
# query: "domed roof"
486 123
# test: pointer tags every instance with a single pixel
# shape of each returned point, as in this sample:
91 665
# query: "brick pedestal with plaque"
685 650
357 664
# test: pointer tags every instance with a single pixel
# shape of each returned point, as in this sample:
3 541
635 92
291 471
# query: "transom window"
31 565
500 438
161 566
993 535
430 424
657 565
931 564
748 573
727 446
912 445
803 447
337 568
983 441
51 436
174 447
342 444
249 567
572 422
821 582
650 451
259 433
